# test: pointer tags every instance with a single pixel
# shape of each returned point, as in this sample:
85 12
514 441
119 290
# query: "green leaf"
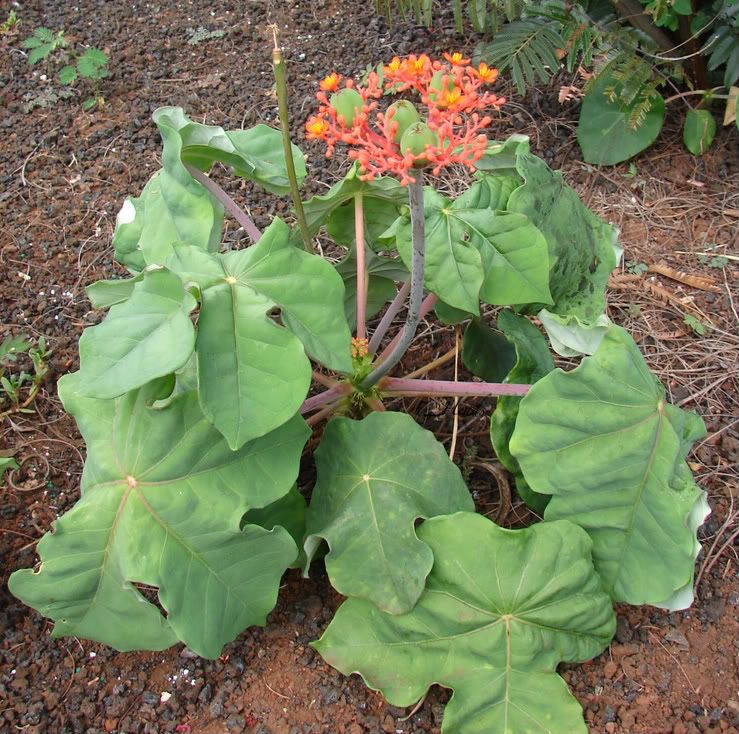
490 190
254 373
287 512
12 346
173 207
501 609
376 477
39 53
514 256
454 270
528 48
67 75
699 131
604 443
255 154
162 498
148 336
319 208
449 315
582 247
606 132
92 64
106 293
486 353
532 362
88 104
6 463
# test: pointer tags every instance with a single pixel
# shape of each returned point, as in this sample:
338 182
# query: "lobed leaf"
604 443
147 336
253 373
500 610
162 499
376 477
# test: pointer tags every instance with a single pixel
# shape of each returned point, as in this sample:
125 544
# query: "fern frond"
528 48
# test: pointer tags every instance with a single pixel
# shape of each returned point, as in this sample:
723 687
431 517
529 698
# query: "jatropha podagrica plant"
195 397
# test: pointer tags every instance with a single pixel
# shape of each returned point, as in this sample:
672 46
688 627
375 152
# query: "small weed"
714 261
636 267
18 388
694 325
199 35
10 23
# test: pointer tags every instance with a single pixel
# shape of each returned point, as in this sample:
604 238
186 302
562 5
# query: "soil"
64 174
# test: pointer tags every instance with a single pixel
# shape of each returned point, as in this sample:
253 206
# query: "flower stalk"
415 197
278 65
392 311
361 267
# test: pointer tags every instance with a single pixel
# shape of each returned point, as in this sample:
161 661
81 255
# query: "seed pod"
404 114
415 139
347 103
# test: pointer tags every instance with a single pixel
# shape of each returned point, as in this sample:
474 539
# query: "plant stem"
325 380
397 386
392 310
228 203
327 396
281 84
415 196
361 268
426 306
690 92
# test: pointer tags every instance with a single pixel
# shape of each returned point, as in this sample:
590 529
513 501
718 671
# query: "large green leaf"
454 270
604 443
486 353
386 189
253 373
606 130
532 362
145 337
514 256
255 154
582 251
376 477
501 609
162 499
474 253
172 207
106 293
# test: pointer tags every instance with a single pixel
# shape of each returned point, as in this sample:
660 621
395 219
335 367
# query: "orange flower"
330 83
448 98
316 128
486 74
456 59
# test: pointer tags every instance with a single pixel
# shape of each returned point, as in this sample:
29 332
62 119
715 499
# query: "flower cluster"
397 140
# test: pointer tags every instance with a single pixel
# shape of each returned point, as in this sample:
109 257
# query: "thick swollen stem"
415 195
228 203
361 267
392 311
403 386
281 84
428 303
327 396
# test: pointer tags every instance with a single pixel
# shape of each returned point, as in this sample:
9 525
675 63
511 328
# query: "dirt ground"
63 176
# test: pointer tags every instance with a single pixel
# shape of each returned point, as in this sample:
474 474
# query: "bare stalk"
324 398
397 386
387 319
228 203
415 195
278 65
361 268
428 303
